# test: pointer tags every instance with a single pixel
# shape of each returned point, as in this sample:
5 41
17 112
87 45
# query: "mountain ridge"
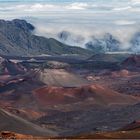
17 38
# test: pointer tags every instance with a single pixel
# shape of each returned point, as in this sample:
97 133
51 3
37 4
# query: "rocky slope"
60 78
106 44
10 122
10 68
17 38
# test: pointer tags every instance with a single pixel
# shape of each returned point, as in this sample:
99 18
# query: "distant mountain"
71 38
106 44
17 38
64 35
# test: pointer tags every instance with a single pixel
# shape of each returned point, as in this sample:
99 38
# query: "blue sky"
81 17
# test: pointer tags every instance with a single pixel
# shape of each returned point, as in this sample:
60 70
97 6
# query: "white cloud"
122 8
41 7
77 6
86 18
135 2
124 22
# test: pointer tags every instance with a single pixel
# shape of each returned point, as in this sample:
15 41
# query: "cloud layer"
79 17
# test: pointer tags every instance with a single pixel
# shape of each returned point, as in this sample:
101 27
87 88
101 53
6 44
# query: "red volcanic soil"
132 61
94 93
106 135
122 73
7 135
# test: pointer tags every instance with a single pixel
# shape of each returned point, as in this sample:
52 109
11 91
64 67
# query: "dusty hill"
132 61
95 94
60 78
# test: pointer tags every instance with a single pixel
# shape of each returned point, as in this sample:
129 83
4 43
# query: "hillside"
17 38
132 62
11 68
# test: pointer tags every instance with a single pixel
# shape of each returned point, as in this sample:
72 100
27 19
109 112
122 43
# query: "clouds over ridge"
80 17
